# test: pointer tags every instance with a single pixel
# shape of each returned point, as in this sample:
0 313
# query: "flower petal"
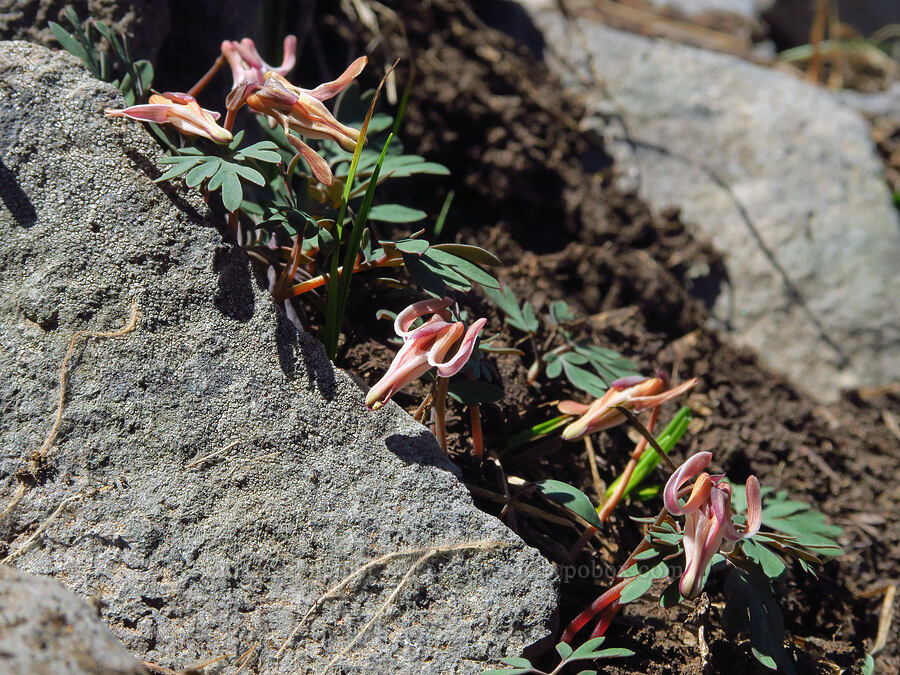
691 467
572 407
290 56
646 402
317 165
148 112
406 318
457 363
754 507
624 383
328 90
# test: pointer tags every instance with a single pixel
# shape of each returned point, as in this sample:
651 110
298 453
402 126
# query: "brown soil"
534 189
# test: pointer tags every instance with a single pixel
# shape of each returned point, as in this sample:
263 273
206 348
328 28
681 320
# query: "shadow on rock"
318 367
235 297
420 449
150 170
15 199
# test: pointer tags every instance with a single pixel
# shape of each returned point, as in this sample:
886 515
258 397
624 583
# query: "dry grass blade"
16 498
43 526
884 620
54 430
380 610
200 460
434 550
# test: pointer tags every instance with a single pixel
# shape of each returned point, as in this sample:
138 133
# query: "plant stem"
203 81
639 449
322 279
608 601
439 411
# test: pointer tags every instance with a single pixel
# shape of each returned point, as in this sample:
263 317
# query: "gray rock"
45 630
782 179
198 558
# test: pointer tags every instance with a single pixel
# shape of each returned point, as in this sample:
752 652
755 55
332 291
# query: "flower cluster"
265 89
707 516
425 347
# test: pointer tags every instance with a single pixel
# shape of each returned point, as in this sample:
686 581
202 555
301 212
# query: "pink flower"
248 67
303 111
707 515
181 111
635 393
248 70
425 347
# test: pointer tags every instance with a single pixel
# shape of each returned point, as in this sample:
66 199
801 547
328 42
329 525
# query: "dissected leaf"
584 379
249 174
264 151
232 192
202 172
590 650
462 266
751 608
798 519
571 498
474 254
564 650
181 165
395 213
770 563
523 319
671 595
418 246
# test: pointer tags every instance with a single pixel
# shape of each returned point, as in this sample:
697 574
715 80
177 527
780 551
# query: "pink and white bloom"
248 67
181 111
248 70
707 513
425 347
303 111
636 393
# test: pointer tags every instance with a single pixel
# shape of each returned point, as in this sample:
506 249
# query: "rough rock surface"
780 177
196 558
45 630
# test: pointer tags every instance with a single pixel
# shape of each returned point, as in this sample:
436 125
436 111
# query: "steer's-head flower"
248 67
634 393
181 111
707 517
425 347
303 111
248 70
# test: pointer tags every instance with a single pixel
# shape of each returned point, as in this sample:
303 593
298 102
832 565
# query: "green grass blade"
359 225
332 325
442 216
401 109
537 431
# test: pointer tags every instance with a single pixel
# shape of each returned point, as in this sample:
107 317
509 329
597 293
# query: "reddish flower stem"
322 279
639 449
609 600
203 81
